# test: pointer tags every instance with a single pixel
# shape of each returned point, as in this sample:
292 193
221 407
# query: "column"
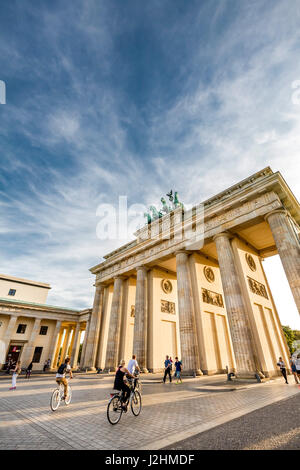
72 335
93 336
140 320
242 341
56 353
112 350
27 355
187 324
65 345
8 334
87 327
54 344
288 247
76 344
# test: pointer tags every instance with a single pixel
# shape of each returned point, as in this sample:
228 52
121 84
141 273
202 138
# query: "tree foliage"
290 337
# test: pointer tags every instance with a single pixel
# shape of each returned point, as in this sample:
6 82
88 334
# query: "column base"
192 372
145 370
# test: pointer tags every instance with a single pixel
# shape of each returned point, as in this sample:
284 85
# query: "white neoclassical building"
192 284
32 330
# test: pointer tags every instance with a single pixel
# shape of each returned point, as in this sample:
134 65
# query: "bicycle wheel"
55 400
114 410
69 396
136 403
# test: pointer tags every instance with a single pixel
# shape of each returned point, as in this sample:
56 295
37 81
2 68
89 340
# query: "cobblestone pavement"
170 412
274 427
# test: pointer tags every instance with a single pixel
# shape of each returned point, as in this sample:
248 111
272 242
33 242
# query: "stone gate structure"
205 299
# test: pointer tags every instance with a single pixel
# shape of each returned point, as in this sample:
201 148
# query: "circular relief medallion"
166 286
209 274
251 262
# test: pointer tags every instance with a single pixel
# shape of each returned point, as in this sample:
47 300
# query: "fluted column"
8 334
186 312
27 355
56 354
54 344
87 327
65 345
113 340
76 344
93 336
140 319
242 341
288 247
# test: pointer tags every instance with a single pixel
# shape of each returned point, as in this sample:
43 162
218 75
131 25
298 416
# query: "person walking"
293 369
297 364
281 364
16 372
168 368
28 371
9 365
178 369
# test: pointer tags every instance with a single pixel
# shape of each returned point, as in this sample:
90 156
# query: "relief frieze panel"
257 288
212 298
167 307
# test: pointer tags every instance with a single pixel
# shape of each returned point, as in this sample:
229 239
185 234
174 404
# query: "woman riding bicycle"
119 383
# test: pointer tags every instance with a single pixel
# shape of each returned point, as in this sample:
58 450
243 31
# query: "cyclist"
61 375
119 383
133 368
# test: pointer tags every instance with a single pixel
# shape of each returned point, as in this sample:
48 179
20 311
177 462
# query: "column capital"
222 234
182 252
276 211
142 267
119 276
99 284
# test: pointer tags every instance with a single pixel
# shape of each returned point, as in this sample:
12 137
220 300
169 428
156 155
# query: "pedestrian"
293 368
168 368
28 371
48 364
281 364
16 372
45 366
178 369
9 365
297 364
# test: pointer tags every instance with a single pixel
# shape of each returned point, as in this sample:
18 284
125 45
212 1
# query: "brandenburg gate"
203 295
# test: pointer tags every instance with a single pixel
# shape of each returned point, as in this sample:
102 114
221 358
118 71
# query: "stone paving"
170 412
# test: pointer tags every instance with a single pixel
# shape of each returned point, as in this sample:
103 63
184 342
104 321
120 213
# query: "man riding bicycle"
119 383
61 375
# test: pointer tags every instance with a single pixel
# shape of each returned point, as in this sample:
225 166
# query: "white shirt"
62 376
132 364
297 363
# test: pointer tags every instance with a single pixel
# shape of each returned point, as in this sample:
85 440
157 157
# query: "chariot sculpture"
174 203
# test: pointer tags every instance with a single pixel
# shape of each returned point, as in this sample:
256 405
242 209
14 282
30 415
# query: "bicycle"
57 396
115 405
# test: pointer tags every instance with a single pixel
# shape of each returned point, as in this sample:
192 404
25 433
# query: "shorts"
177 374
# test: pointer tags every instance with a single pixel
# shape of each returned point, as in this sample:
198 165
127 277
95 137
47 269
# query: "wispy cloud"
110 98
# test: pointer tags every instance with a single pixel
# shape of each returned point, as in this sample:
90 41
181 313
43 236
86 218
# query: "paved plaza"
170 412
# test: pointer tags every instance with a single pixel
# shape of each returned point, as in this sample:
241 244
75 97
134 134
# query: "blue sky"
123 97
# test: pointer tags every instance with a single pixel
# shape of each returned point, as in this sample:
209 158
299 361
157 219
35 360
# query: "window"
12 292
43 330
21 328
37 354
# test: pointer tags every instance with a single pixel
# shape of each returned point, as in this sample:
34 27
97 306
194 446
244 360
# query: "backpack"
62 369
